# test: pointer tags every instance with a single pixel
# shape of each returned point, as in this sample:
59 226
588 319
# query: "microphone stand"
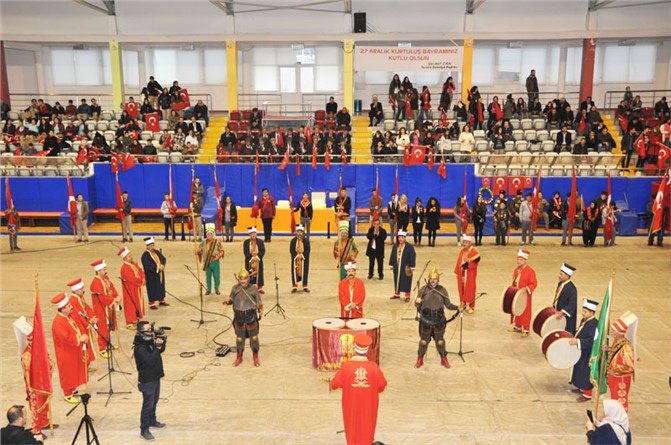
200 288
461 352
278 307
137 310
110 364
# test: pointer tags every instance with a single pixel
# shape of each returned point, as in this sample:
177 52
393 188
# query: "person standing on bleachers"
331 108
154 89
532 86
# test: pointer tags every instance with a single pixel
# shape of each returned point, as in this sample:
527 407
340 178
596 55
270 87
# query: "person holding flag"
584 339
13 219
622 357
209 252
375 205
660 212
132 280
70 346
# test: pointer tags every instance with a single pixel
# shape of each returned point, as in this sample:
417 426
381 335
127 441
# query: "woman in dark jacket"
403 213
305 207
164 104
432 219
418 216
229 219
479 217
591 217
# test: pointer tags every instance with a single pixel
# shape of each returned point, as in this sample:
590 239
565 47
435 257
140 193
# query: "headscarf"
616 416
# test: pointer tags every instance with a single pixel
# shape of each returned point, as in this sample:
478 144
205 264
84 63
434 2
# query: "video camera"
144 336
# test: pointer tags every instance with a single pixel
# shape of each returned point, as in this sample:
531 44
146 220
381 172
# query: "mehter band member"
299 247
247 309
254 249
566 298
153 263
132 280
70 346
105 299
622 357
375 250
466 271
431 303
402 262
83 314
584 338
210 251
344 248
351 293
524 277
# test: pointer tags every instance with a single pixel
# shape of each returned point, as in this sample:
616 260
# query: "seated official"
15 432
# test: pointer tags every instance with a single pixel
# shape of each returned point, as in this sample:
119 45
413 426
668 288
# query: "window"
573 65
626 64
190 66
515 64
483 61
131 69
76 67
215 66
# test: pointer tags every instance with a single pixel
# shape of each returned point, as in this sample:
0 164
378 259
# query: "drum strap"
560 287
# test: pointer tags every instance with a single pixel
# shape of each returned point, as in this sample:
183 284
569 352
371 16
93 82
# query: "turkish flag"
486 182
582 127
497 111
406 156
285 161
500 183
128 162
40 365
662 156
640 146
119 201
392 101
308 134
442 170
408 108
515 183
314 158
624 122
151 120
417 155
115 162
298 165
343 156
185 103
82 156
327 160
430 162
94 154
72 204
658 205
133 135
132 108
528 182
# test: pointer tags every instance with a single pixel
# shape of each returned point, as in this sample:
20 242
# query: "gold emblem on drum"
347 346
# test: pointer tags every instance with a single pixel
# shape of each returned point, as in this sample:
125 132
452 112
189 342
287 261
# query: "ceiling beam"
261 7
109 9
226 6
595 5
472 5
629 5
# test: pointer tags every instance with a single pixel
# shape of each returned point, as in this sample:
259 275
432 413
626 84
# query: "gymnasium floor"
504 393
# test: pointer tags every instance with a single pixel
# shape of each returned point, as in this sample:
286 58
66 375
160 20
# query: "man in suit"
82 219
563 142
375 115
375 251
566 298
584 338
197 129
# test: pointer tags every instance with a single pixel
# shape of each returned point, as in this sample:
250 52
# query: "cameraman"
148 348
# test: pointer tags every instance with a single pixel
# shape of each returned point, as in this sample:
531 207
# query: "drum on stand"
328 323
325 326
514 300
362 324
545 320
557 350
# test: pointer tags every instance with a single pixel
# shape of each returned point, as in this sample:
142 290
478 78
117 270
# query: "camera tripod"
278 307
86 422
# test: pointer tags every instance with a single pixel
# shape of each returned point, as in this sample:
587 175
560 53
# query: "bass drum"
328 323
362 324
557 350
545 320
514 300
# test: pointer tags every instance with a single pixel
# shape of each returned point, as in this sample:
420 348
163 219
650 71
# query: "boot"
420 361
444 362
238 359
255 355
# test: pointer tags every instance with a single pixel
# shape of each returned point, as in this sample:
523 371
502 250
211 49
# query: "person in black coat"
566 298
375 251
418 215
299 248
584 338
375 114
15 432
147 348
229 218
432 219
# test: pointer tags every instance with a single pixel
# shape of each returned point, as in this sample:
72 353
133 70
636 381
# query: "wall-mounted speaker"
359 22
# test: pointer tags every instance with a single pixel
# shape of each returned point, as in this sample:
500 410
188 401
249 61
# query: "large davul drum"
545 320
557 350
514 300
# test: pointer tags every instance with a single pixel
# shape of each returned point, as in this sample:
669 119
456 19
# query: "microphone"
87 319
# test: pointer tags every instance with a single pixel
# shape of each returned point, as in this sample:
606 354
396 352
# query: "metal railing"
247 101
611 99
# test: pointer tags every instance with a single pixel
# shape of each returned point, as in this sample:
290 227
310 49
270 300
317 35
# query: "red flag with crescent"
528 182
285 161
128 161
314 158
442 169
173 206
308 134
662 155
430 162
327 160
151 120
658 205
639 145
83 155
487 182
418 154
119 201
114 160
132 108
515 183
624 122
500 183
72 204
40 365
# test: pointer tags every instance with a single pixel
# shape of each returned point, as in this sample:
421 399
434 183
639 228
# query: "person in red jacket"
266 205
83 314
132 280
362 381
466 271
104 296
352 293
70 347
622 357
524 277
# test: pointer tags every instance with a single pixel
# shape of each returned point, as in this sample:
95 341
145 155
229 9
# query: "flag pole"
603 353
51 423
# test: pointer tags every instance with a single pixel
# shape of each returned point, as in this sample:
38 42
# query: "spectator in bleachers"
30 150
449 87
401 108
403 139
507 130
628 97
375 115
581 122
390 143
32 128
255 119
535 108
636 106
454 131
509 107
563 142
192 139
413 96
665 131
178 139
460 111
606 143
144 95
331 108
71 109
154 90
378 151
44 126
415 137
394 88
521 109
623 110
50 141
587 104
175 99
302 150
425 103
561 105
594 117
44 109
428 139
568 116
124 119
196 128
591 141
495 113
83 110
637 124
200 112
183 125
549 106
466 139
343 119
58 110
8 130
135 148
478 115
150 149
133 126
532 86
228 140
581 147
662 109
31 111
164 104
146 108
344 135
174 88
498 139
173 119
94 109
189 149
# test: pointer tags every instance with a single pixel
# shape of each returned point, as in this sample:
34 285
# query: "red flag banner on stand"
40 365
572 203
298 164
8 194
173 206
291 206
376 214
72 204
132 108
119 201
536 198
308 134
314 158
658 205
151 120
500 183
515 183
114 160
327 161
220 209
285 161
430 162
442 169
255 207
128 161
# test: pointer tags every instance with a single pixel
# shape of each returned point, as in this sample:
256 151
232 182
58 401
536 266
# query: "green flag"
597 361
